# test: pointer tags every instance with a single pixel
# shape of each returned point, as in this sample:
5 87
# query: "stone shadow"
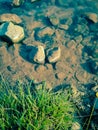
25 51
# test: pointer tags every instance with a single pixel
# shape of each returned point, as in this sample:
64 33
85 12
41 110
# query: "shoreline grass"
22 108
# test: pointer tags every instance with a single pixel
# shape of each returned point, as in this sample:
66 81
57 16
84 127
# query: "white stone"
12 32
37 54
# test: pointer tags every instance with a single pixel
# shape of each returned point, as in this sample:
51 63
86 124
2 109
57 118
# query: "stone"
71 44
54 20
76 126
53 54
11 33
8 17
63 26
92 16
34 0
17 2
79 39
44 32
95 88
37 54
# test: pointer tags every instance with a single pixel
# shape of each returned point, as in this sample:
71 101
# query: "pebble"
13 33
44 32
76 126
54 20
8 17
63 26
79 39
33 1
95 88
17 2
92 16
71 44
53 54
37 54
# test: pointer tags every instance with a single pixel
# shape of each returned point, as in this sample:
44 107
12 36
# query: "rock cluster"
38 55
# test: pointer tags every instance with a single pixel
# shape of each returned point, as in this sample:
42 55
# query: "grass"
22 108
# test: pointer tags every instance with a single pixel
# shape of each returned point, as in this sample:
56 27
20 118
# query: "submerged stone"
47 31
92 16
8 17
17 2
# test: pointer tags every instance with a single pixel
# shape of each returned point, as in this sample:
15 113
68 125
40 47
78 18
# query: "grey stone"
53 54
8 17
37 54
11 32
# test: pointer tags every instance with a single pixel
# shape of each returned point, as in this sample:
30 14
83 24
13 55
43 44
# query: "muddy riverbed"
68 33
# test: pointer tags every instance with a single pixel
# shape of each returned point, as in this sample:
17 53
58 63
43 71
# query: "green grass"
22 108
